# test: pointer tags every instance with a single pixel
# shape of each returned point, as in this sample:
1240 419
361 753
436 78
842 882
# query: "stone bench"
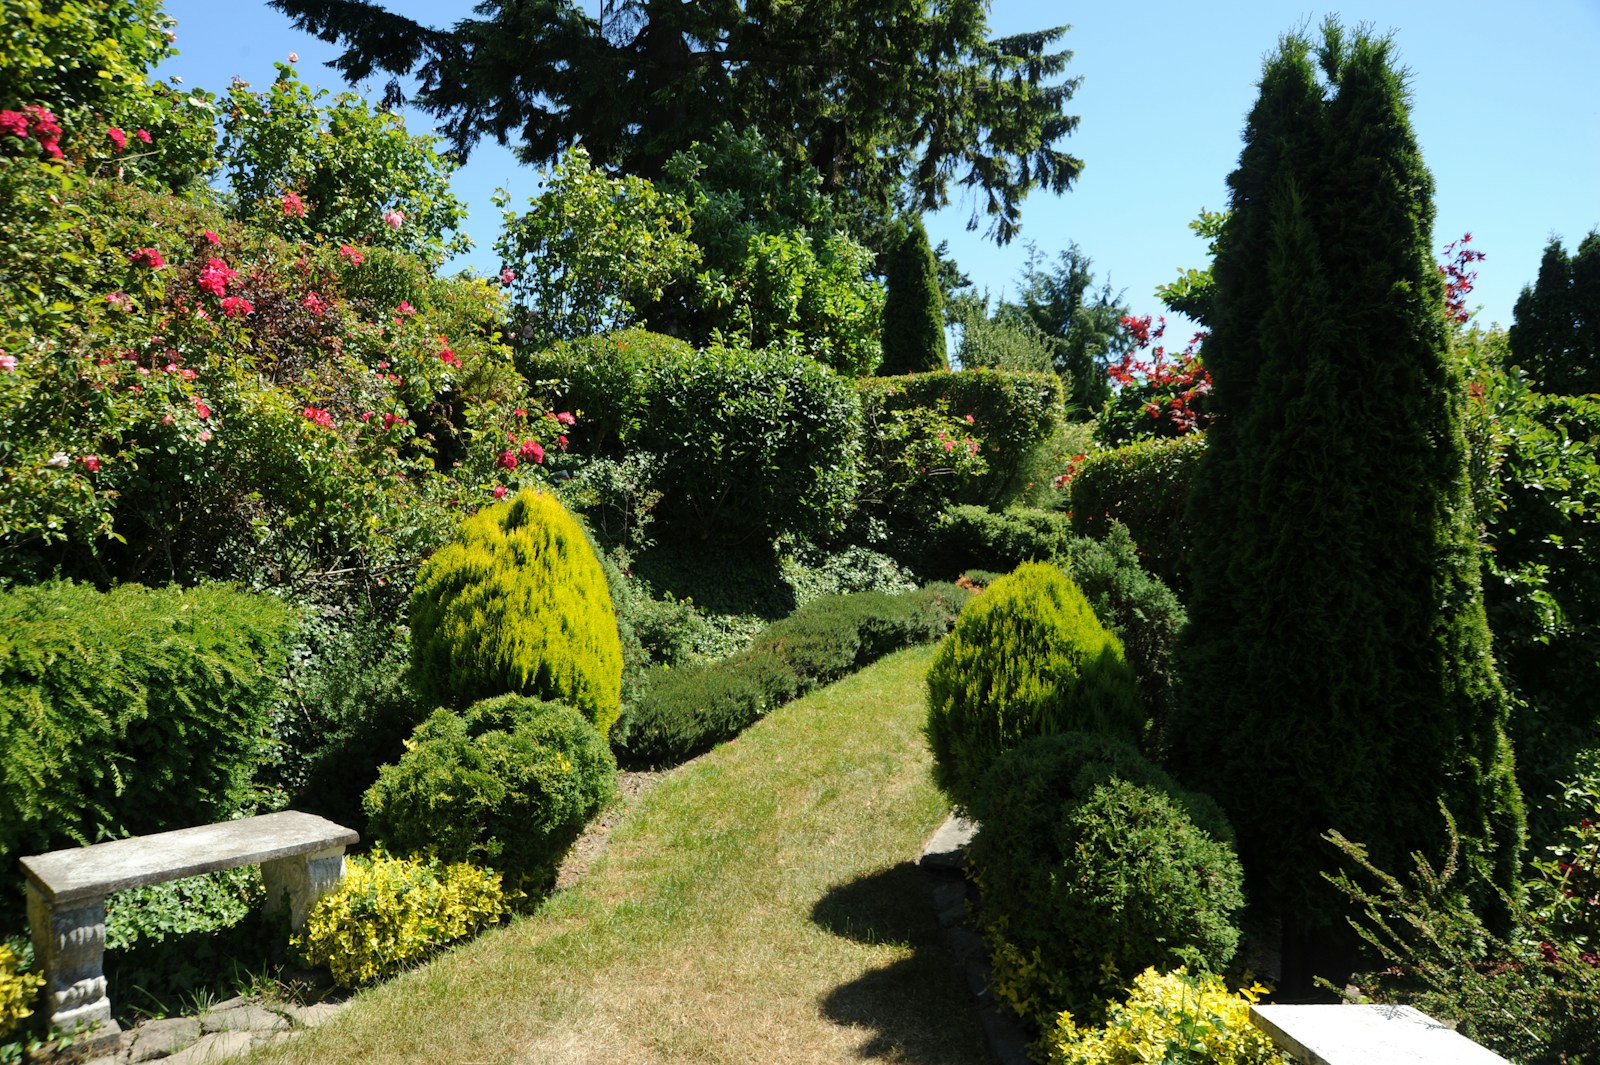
301 857
1367 1035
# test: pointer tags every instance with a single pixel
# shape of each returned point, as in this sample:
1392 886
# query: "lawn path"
761 905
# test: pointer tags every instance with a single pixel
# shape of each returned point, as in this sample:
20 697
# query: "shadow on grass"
916 1008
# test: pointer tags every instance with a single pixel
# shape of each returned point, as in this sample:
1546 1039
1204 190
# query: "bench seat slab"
84 873
1367 1035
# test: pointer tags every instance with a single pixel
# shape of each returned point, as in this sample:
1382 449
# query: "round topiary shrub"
1027 658
510 783
518 603
1095 865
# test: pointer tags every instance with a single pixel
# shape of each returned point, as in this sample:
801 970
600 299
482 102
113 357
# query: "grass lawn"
760 905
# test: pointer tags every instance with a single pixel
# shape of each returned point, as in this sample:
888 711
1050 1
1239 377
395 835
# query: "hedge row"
131 711
688 709
753 443
1145 486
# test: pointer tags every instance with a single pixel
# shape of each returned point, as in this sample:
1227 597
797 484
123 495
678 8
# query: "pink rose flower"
8 363
394 219
532 451
499 491
147 257
91 463
506 276
237 306
211 238
292 205
119 138
353 254
143 135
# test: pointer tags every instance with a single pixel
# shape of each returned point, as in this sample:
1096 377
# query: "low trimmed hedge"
688 709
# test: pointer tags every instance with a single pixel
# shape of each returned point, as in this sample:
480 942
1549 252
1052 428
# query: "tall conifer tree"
1337 667
1555 336
913 309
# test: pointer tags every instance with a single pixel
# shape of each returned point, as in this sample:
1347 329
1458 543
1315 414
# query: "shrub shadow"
916 1009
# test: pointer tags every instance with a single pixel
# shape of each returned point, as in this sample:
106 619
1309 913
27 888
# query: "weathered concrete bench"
301 857
1367 1035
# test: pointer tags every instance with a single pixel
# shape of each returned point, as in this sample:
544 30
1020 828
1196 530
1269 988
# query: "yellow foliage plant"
17 991
1171 1018
390 913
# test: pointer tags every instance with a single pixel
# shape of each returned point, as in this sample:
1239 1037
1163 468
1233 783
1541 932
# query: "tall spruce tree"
1337 669
1555 335
913 310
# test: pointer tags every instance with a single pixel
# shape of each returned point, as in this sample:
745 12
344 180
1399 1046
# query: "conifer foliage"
518 603
1556 334
913 311
1337 666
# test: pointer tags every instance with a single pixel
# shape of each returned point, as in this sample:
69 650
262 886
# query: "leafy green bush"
1094 865
917 460
1145 486
508 783
974 537
1027 658
1139 610
518 603
348 707
750 444
17 991
1195 1016
131 711
343 172
1012 414
688 709
753 443
391 913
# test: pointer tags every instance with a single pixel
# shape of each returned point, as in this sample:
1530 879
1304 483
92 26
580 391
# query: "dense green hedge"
131 711
1145 486
688 709
973 537
1012 414
750 443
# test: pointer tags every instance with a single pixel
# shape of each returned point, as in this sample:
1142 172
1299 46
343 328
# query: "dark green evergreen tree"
1082 322
1337 670
890 102
1555 334
913 310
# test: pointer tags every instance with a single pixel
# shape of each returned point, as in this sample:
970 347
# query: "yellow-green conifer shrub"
17 991
518 604
390 913
1171 1017
1027 658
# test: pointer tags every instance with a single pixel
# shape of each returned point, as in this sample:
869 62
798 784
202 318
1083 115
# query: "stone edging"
943 862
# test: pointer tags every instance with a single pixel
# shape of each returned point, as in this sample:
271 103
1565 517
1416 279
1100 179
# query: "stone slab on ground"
316 1013
161 1038
946 849
244 1017
218 1046
1367 1035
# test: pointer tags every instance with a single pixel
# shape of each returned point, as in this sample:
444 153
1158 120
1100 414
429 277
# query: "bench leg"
70 946
300 881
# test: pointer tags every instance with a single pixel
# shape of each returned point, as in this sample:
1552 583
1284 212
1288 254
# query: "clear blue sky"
1505 105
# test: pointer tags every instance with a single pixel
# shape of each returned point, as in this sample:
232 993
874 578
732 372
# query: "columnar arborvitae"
1337 669
1555 336
913 311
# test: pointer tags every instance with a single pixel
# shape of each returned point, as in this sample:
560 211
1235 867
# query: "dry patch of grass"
760 905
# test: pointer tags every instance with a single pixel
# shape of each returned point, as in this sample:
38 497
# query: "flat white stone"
1367 1035
213 1048
96 871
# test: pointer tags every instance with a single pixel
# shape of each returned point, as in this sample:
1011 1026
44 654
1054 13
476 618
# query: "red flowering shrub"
1156 396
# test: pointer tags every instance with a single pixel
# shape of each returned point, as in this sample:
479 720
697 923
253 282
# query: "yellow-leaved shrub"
1171 1017
17 991
518 604
390 913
